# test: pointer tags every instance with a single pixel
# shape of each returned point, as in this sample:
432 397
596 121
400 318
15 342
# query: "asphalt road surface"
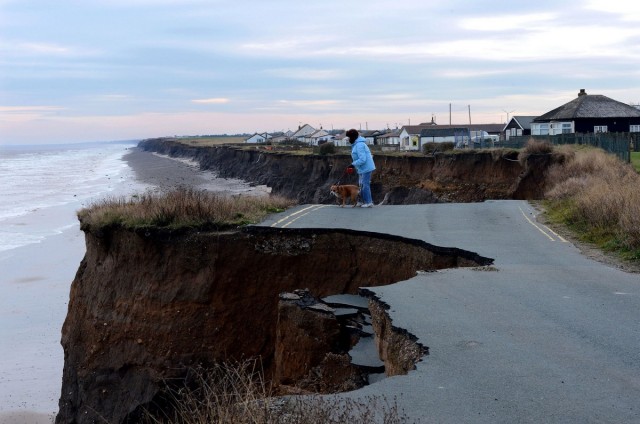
545 336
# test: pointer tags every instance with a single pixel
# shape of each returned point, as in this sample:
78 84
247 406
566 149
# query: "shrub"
327 148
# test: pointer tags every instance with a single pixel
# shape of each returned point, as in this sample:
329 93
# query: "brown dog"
344 191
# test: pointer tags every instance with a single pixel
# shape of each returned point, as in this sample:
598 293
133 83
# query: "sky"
99 70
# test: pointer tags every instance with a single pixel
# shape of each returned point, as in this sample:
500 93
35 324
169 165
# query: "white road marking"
309 209
542 228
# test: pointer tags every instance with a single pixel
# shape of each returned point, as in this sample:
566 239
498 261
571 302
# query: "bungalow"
411 135
588 113
389 138
317 137
303 132
458 135
369 135
518 126
258 138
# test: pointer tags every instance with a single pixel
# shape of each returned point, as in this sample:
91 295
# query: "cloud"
213 100
305 73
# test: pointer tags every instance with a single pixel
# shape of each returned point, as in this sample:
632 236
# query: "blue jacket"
361 155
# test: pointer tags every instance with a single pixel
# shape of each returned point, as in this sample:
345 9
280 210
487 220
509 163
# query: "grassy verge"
597 197
635 160
180 209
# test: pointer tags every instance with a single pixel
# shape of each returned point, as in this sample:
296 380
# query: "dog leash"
348 170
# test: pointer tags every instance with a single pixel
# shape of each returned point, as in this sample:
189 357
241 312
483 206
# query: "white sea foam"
42 187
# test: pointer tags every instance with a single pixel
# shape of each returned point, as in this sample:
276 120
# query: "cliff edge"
472 176
145 307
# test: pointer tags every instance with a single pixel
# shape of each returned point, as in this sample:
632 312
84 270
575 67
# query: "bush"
327 148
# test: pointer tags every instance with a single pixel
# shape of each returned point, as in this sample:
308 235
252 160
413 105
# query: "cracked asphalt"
545 335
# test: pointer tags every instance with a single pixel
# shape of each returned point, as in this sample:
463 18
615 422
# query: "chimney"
582 92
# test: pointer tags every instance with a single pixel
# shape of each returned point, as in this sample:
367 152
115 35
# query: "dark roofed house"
588 113
518 126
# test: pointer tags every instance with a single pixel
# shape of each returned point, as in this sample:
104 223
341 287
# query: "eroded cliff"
461 177
146 306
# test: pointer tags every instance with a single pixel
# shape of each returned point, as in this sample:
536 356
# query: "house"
369 135
434 134
518 126
389 138
317 137
257 138
588 113
303 132
411 135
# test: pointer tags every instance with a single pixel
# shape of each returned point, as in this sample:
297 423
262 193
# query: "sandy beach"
167 173
35 288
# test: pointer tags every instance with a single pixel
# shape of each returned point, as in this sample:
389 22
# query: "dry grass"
186 208
535 147
236 393
599 195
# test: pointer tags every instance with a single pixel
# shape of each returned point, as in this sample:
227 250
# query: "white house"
409 138
257 138
316 137
303 132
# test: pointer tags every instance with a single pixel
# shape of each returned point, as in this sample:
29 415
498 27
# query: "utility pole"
449 114
469 114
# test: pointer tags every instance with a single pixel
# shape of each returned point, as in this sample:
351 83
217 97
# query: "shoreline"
37 277
166 173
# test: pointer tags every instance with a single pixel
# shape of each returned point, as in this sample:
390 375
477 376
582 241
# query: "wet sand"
167 174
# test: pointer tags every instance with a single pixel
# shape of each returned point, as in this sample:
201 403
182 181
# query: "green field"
635 160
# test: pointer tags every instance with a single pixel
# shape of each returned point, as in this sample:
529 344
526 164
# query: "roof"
590 106
490 128
524 121
444 132
390 133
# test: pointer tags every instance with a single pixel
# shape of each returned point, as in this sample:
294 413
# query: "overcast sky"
90 70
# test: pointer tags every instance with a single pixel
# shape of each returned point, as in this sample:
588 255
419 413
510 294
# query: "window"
600 129
544 129
634 128
566 128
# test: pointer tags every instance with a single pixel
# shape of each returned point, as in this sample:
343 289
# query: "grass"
635 160
237 393
180 209
597 196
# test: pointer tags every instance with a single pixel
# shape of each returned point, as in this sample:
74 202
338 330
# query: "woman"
363 163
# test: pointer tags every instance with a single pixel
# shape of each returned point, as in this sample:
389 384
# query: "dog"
342 192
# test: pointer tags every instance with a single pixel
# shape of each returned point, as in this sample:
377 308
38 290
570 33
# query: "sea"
42 187
50 182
